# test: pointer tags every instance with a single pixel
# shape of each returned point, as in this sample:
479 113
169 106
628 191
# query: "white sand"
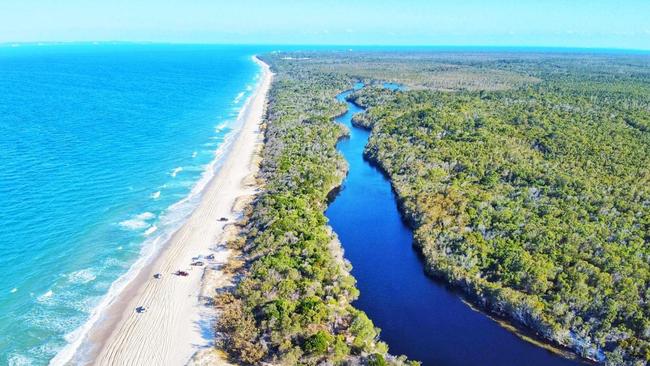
176 323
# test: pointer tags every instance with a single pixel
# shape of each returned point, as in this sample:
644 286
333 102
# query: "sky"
553 23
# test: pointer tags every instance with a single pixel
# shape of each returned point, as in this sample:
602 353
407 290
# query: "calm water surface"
419 317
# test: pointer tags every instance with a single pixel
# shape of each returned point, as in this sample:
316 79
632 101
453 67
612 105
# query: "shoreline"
177 322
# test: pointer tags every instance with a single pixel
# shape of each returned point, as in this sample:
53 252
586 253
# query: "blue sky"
563 23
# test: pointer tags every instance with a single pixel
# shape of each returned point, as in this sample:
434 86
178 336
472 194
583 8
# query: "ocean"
104 149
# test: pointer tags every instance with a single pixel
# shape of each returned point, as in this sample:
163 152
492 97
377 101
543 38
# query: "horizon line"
415 45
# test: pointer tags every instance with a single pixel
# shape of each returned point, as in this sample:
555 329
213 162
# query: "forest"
525 177
292 304
533 200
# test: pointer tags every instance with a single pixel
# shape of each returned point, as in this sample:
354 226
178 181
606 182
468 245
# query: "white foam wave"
176 171
112 262
82 276
137 222
220 127
19 360
170 221
47 320
89 304
133 224
45 296
150 230
155 195
146 216
238 98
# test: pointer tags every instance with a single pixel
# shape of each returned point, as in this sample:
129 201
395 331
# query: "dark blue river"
418 316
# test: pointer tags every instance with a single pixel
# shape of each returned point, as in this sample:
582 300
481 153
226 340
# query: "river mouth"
419 317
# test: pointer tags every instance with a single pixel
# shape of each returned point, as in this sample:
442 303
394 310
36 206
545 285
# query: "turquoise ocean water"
103 150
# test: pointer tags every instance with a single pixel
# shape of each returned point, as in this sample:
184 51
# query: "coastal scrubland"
526 179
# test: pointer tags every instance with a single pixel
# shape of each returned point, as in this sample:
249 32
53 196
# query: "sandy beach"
177 322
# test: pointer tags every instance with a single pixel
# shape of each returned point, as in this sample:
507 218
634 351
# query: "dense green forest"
526 178
534 200
292 304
